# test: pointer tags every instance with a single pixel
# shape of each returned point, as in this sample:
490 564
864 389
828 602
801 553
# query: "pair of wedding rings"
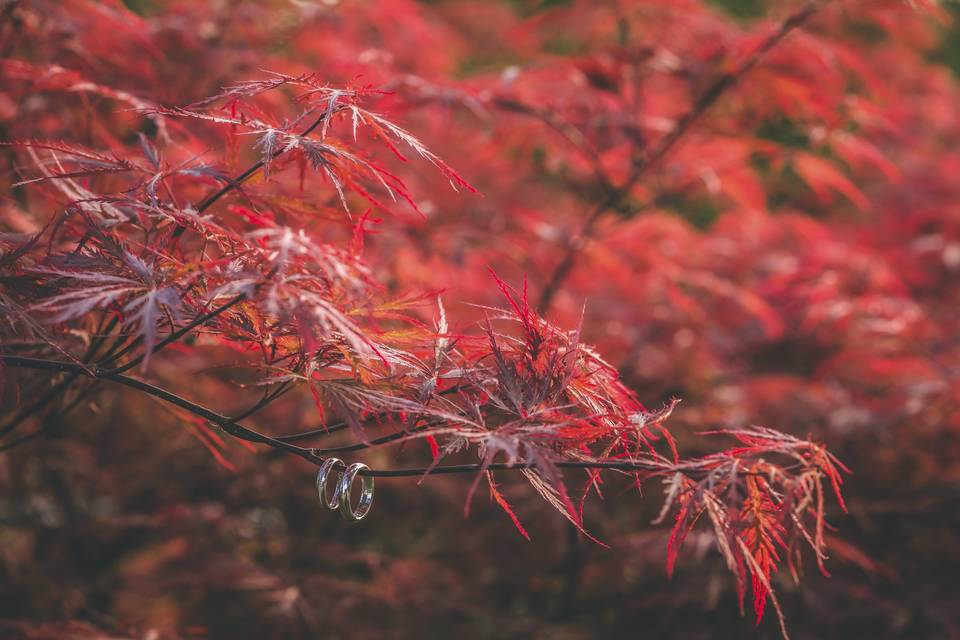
341 494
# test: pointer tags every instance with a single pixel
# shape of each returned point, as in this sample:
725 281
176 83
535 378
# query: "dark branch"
237 430
243 177
173 337
666 144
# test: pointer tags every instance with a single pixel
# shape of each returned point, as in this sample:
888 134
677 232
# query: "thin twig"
61 387
173 337
204 205
243 177
702 104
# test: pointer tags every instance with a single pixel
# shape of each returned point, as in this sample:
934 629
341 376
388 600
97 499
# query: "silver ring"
322 476
366 495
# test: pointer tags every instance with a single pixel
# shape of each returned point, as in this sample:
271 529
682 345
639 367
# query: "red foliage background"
749 206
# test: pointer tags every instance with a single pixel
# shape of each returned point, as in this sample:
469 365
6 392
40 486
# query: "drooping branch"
234 428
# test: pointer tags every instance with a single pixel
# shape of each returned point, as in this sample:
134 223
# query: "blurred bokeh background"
792 262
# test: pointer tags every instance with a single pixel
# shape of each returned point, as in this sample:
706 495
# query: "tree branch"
243 177
666 143
237 430
173 337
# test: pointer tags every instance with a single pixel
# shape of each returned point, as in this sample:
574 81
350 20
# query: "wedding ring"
366 494
322 476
